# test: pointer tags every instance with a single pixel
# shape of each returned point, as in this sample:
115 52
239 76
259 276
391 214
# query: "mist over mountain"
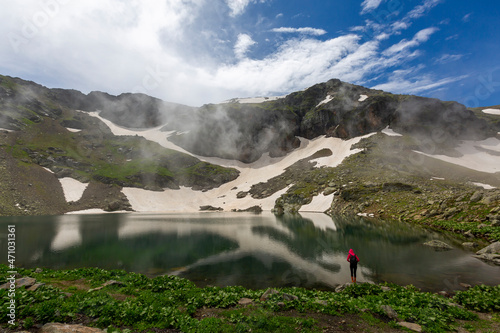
282 153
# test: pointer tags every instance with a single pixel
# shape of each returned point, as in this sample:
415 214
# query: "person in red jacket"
353 260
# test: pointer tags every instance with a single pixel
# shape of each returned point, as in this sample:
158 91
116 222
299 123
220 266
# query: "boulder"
490 249
22 282
65 328
478 195
328 191
342 287
36 286
438 245
268 293
389 312
245 301
411 326
210 208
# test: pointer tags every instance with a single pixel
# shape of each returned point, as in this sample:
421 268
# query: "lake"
251 250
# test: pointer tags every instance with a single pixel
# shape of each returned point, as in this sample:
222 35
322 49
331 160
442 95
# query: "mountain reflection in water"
255 251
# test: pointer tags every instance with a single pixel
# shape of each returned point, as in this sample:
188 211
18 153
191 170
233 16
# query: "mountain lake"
252 250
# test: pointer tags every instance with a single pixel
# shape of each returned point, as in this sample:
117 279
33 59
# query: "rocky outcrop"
333 108
491 253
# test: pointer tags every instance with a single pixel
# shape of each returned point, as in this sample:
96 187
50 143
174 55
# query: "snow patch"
7 130
362 98
319 203
74 130
254 100
265 168
495 112
366 215
476 155
485 186
437 178
72 188
390 132
326 100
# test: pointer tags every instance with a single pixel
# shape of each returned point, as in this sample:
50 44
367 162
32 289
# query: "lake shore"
129 302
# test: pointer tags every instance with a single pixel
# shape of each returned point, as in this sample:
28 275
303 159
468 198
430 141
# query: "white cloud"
419 38
305 31
446 58
242 45
238 6
466 18
422 9
369 5
184 50
400 83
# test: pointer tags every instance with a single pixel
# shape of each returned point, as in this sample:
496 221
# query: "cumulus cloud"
305 31
242 45
186 51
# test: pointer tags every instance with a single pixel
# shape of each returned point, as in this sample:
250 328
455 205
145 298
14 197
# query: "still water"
255 251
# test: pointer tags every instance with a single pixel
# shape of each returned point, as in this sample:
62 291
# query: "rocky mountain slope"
333 147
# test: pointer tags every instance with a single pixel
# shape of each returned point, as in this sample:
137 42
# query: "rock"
22 282
210 208
66 328
36 286
492 248
328 191
478 195
245 301
38 270
107 283
268 293
385 289
465 285
253 209
488 200
241 195
289 297
411 326
438 245
450 212
342 287
389 312
321 302
113 206
470 245
469 234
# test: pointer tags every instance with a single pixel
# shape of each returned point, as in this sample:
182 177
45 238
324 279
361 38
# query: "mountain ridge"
334 147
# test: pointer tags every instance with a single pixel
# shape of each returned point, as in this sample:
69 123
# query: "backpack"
353 260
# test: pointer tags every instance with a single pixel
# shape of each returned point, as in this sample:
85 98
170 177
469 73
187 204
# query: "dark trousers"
353 270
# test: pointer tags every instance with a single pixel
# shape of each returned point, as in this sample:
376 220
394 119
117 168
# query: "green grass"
173 302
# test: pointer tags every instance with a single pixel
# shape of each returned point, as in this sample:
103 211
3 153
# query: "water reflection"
255 251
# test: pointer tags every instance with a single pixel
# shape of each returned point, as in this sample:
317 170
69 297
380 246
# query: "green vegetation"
136 302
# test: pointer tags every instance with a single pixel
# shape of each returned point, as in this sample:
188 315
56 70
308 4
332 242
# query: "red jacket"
351 253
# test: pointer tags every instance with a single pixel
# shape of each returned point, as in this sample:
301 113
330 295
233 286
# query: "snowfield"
481 156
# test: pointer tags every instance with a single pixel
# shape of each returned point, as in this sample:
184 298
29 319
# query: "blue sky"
200 51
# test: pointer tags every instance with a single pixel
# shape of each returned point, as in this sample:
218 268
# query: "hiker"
353 260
